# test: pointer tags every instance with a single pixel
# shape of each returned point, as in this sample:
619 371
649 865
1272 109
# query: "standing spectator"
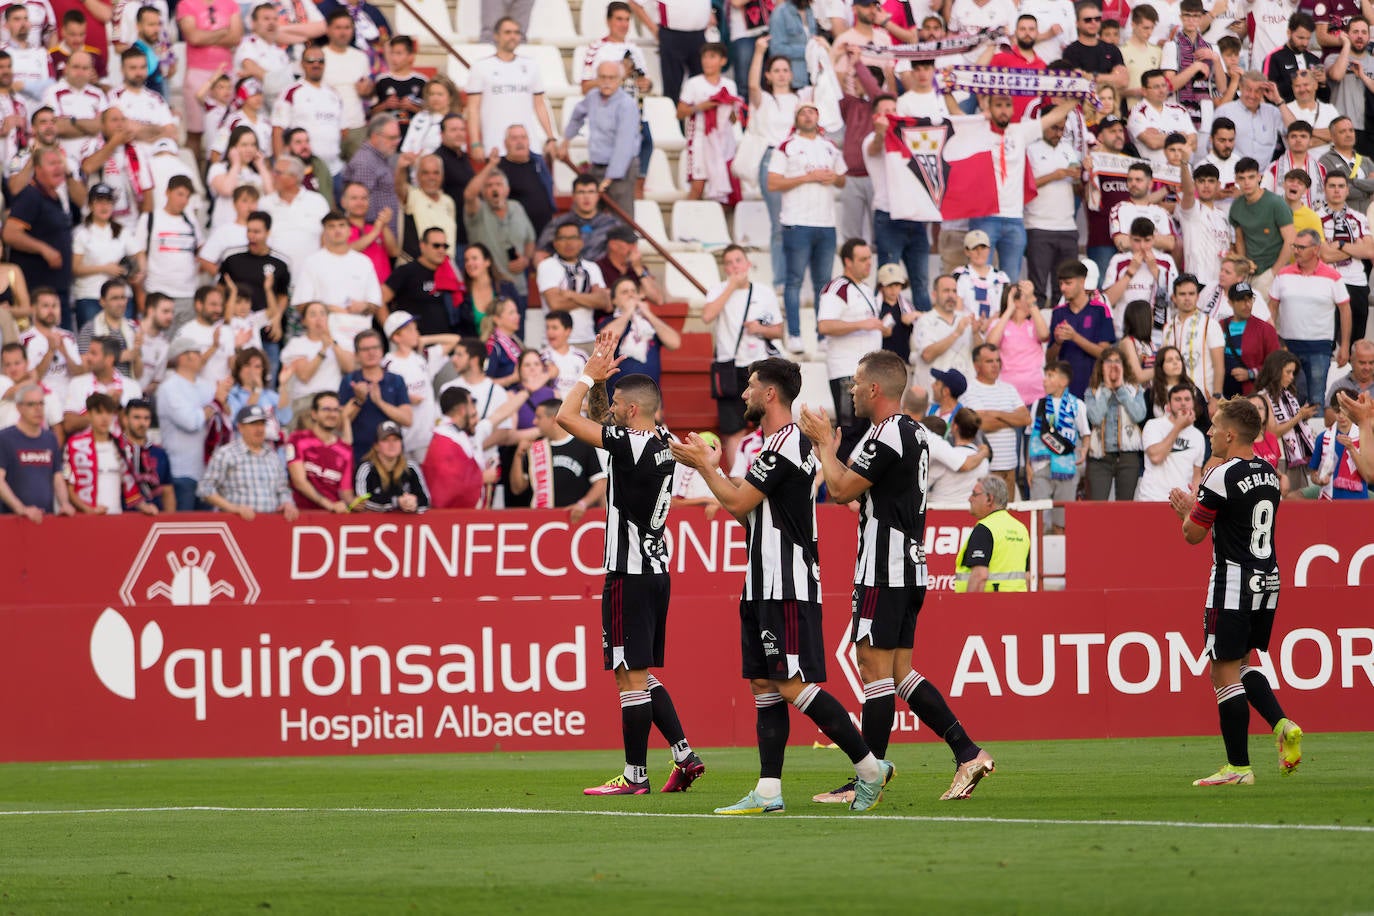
1198 338
424 205
1348 77
859 89
110 320
1294 56
1091 54
212 30
1002 411
245 167
31 482
343 279
897 241
249 372
1051 230
612 120
416 359
1205 230
1311 295
804 168
1020 331
374 167
53 354
261 54
1194 68
215 340
318 462
172 242
530 176
77 103
563 361
592 221
149 464
1080 326
643 334
98 480
401 91
1222 154
791 27
385 480
1256 118
458 170
245 476
185 406
313 361
1103 193
101 377
32 66
256 269
1249 341
1139 180
570 283
114 160
15 374
1297 158
297 212
848 316
1154 119
429 289
506 89
680 27
374 239
372 395
371 31
745 322
1335 467
456 462
1277 382
348 71
150 36
1345 158
39 228
316 108
1140 273
1021 55
1347 245
1174 449
1305 107
1361 378
1116 408
1058 444
499 224
562 470
709 103
946 335
623 259
897 310
980 284
1263 224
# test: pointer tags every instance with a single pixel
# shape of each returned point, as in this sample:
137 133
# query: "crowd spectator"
643 334
1197 336
1051 230
500 332
946 335
371 395
14 375
297 212
530 177
146 461
458 463
315 107
341 278
31 482
849 316
110 321
101 377
1334 465
1347 244
457 165
1080 325
1171 370
980 284
424 205
212 30
499 225
957 462
1058 444
624 259
1174 449
569 282
373 167
1277 383
1249 341
1001 410
1140 272
171 240
250 389
374 238
559 470
1116 408
1360 380
102 250
1020 331
314 361
319 462
504 90
216 341
98 480
422 131
593 223
1263 225
897 310
612 120
52 350
186 404
947 386
245 476
386 480
40 224
1205 230
416 358
1306 299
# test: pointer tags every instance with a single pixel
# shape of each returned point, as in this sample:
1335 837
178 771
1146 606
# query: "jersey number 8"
1262 529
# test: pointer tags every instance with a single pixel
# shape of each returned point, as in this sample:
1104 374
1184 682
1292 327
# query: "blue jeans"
185 490
646 148
86 309
1101 255
1008 237
774 201
907 242
1314 362
806 246
741 57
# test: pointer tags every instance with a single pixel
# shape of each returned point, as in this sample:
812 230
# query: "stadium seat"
472 53
700 221
575 64
562 179
467 20
591 21
761 270
659 185
753 228
551 23
661 114
434 12
564 116
653 67
700 265
650 219
551 71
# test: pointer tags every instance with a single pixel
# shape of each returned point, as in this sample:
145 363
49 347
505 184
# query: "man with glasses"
1305 300
1094 56
570 283
31 481
317 108
996 554
371 395
418 288
374 165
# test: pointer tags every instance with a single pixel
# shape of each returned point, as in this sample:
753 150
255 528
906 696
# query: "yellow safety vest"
1010 553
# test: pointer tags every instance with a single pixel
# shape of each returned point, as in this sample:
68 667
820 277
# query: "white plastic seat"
659 185
650 219
761 271
551 23
433 12
467 20
660 113
753 228
700 221
551 70
472 53
562 178
700 265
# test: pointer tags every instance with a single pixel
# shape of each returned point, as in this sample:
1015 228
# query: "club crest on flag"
926 144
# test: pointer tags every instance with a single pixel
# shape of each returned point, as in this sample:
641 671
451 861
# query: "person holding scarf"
500 332
1058 444
99 482
114 162
642 333
1276 383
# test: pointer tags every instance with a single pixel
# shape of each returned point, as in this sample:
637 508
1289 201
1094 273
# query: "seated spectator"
1277 382
956 463
430 289
897 311
1058 444
1002 411
103 378
31 481
250 389
14 301
483 286
1249 341
169 266
149 464
371 395
341 278
561 470
569 282
98 480
1020 331
385 481
1335 474
1137 340
1169 371
1267 443
313 362
980 284
946 335
110 321
186 404
318 461
424 205
1116 408
593 223
457 463
622 259
642 333
529 177
500 330
564 361
1174 448
245 476
947 386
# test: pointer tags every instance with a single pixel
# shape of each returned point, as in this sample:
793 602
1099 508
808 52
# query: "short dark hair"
1206 170
1174 139
1062 367
1186 279
1150 74
1144 12
967 422
473 347
131 53
550 406
321 396
452 398
76 16
581 181
1191 6
848 248
1183 386
179 182
1338 175
1223 124
1299 127
1142 227
138 404
111 345
1071 269
1141 167
560 318
333 216
1299 175
981 347
261 216
717 48
733 247
1245 164
111 284
367 334
782 374
336 15
403 41
641 389
618 6
102 402
203 292
1302 21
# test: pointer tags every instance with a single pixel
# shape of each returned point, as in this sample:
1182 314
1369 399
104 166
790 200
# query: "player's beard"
753 414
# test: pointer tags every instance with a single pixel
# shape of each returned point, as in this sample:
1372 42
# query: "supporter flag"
916 169
973 183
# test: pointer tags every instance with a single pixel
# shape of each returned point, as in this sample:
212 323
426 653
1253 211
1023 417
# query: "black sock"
1261 695
1234 712
665 714
773 727
930 707
636 719
830 717
880 708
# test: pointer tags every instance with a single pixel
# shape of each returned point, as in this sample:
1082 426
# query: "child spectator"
1058 444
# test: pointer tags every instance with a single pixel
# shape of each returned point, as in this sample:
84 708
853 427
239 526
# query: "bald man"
612 120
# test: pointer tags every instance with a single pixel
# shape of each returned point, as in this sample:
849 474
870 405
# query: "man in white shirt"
849 317
32 66
1003 412
214 339
101 377
569 283
1206 231
973 15
297 212
956 463
614 46
1198 337
317 108
1255 114
341 278
945 336
513 93
1155 118
1222 154
348 72
261 56
172 242
804 168
152 119
1348 245
1306 107
1051 229
1139 180
1174 449
1056 23
77 103
1139 273
52 351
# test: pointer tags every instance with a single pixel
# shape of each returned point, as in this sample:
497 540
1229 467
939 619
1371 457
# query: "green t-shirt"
1260 223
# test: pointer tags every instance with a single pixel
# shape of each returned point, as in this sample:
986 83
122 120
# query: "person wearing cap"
245 476
612 120
623 259
1104 189
947 386
417 358
77 102
386 481
980 284
1249 341
371 395
896 310
121 169
101 250
185 405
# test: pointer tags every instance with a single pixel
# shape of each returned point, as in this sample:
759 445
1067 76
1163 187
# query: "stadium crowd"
286 271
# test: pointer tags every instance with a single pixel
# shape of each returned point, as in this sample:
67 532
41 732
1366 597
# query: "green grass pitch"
1061 827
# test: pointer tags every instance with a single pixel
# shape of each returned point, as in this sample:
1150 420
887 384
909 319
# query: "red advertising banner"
207 636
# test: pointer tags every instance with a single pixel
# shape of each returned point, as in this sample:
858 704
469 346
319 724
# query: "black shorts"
780 640
730 411
885 615
634 620
1232 634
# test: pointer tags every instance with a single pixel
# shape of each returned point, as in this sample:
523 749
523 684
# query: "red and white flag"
916 169
985 168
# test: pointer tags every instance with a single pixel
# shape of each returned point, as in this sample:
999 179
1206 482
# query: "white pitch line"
926 819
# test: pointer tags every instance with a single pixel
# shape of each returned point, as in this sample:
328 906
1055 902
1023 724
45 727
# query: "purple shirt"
1095 325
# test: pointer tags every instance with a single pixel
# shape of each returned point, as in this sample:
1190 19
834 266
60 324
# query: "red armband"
1202 516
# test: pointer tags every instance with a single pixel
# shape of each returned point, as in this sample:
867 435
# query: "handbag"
748 157
725 382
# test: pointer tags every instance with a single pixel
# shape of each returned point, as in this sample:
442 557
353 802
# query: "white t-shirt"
1307 304
218 364
1196 337
922 105
508 88
569 365
171 267
1207 236
109 478
98 245
337 280
582 277
1128 211
319 110
680 15
223 240
123 389
1352 227
950 487
418 369
970 16
812 203
1052 209
605 49
1320 118
342 70
1048 14
296 227
83 104
222 212
775 115
1177 469
274 60
932 328
844 300
1142 285
998 396
327 377
763 308
58 376
145 107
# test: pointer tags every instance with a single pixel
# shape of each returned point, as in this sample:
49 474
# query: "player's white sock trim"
908 685
765 700
653 682
808 693
1229 691
879 689
634 698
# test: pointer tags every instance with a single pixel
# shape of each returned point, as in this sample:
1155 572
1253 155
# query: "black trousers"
678 52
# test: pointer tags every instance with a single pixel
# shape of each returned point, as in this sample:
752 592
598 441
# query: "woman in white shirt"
244 165
98 246
426 127
773 108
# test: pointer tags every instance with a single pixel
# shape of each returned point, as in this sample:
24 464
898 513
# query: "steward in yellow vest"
996 555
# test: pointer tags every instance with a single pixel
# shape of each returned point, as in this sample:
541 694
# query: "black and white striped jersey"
783 561
1239 502
639 491
894 456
